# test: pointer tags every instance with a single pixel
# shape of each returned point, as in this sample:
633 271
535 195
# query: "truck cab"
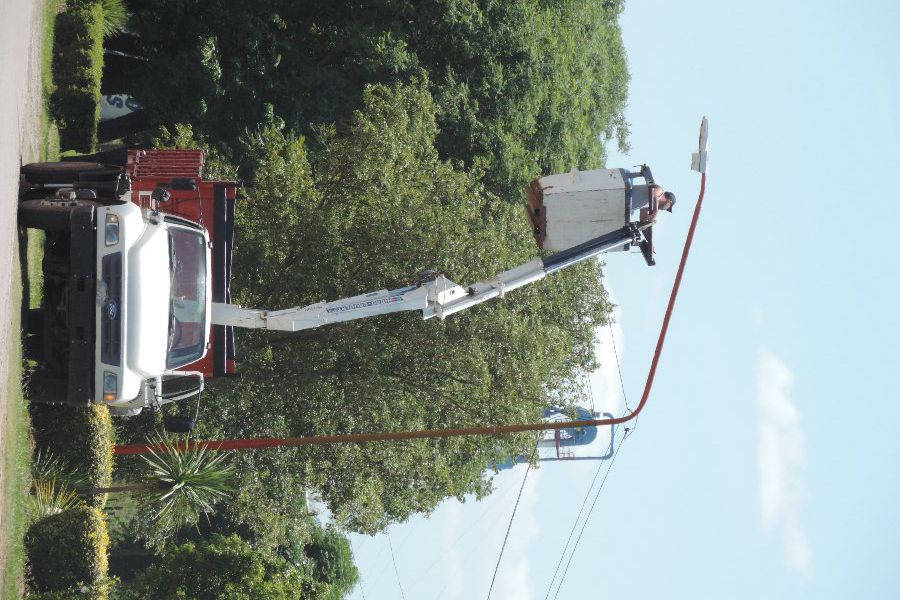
152 303
136 251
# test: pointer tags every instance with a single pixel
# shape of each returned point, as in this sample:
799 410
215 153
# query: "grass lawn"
49 131
17 428
16 459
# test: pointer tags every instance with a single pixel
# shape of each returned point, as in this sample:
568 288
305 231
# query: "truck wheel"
44 386
33 347
34 321
49 215
176 424
56 172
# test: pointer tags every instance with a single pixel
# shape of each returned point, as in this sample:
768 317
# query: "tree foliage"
377 140
325 557
375 206
221 568
521 86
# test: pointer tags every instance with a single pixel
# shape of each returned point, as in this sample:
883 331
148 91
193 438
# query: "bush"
67 550
78 591
79 435
222 567
77 71
332 559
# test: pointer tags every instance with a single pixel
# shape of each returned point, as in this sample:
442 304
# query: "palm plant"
185 482
51 499
46 466
115 17
54 485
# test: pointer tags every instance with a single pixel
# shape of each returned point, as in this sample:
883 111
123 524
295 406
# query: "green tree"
521 86
332 560
324 555
218 569
374 206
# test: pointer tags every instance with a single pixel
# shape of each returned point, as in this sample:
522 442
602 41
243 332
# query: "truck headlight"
110 386
112 229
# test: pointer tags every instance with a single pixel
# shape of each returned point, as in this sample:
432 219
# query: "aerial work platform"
569 209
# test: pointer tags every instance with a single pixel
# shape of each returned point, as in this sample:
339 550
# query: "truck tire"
47 214
178 424
33 335
33 347
57 172
34 321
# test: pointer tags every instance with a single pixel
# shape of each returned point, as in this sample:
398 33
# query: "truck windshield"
187 303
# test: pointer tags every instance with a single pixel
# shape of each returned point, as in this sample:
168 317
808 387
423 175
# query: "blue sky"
765 463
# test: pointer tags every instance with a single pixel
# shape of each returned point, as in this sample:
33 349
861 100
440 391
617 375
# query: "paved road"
20 89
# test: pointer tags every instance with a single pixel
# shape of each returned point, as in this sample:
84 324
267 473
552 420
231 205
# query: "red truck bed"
212 205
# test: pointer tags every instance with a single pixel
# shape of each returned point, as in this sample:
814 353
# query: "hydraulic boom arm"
433 294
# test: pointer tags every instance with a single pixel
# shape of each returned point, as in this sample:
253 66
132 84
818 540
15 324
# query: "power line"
394 560
612 336
597 472
587 383
587 518
506 537
498 504
572 531
357 553
469 528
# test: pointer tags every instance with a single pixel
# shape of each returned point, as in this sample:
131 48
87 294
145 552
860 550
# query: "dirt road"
20 138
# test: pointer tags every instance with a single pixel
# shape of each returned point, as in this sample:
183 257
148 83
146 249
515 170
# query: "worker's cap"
671 198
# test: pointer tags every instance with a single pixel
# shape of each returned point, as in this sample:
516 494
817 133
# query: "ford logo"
112 310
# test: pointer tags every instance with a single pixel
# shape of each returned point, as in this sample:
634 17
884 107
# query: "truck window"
187 303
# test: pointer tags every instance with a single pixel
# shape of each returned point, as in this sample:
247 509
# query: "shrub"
77 71
80 435
222 567
67 549
79 591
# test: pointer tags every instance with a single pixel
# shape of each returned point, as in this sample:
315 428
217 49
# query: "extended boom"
433 294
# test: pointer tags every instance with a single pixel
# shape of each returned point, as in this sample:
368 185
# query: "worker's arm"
648 214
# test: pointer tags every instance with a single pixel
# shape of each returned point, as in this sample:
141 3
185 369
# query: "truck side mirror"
160 195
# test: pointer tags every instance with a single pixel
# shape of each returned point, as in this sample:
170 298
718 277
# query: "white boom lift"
588 213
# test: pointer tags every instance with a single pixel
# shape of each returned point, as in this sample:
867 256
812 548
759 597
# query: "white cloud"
781 460
452 561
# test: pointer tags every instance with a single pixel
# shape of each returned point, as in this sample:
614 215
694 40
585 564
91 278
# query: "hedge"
77 72
67 550
81 436
78 591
